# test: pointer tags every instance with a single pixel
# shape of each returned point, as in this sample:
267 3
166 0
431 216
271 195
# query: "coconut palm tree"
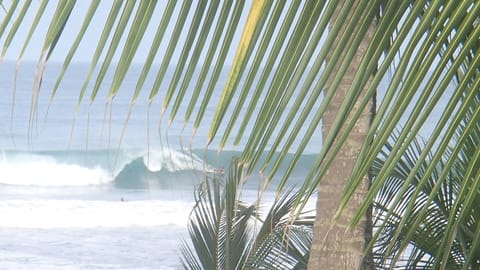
425 53
266 248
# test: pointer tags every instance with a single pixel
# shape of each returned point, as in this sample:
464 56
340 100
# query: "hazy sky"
87 47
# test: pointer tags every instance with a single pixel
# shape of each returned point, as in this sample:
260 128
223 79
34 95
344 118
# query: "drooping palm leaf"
135 35
200 44
15 26
107 29
220 63
88 18
431 47
120 29
8 16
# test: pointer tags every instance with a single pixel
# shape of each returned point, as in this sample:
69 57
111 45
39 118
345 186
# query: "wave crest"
173 161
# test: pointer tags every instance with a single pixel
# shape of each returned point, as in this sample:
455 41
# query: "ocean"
81 189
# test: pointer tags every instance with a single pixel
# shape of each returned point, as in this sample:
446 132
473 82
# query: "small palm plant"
227 233
450 196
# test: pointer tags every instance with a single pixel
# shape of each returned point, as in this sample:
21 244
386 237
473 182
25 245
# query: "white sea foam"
40 170
173 160
44 214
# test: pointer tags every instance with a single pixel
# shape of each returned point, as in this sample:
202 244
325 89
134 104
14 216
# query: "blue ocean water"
77 192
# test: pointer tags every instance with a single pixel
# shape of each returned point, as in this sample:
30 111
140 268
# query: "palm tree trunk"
335 247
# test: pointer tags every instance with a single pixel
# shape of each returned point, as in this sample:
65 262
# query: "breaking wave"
40 170
123 169
99 167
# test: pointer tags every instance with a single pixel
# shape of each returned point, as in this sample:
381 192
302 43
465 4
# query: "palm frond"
282 242
414 227
223 230
218 225
431 47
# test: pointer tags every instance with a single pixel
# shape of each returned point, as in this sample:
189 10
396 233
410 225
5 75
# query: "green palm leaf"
430 46
223 234
435 215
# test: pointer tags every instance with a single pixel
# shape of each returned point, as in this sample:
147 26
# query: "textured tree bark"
334 246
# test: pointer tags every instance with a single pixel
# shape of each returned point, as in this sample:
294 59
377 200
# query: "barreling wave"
97 167
123 169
